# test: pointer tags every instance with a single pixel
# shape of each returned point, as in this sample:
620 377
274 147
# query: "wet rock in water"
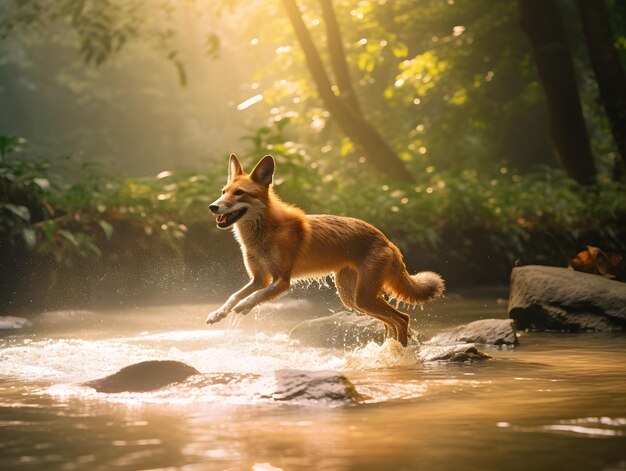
145 376
552 298
341 330
13 323
484 331
452 353
300 385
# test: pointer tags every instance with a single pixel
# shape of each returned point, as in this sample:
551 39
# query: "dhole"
280 243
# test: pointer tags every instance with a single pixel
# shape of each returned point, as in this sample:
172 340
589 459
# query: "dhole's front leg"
277 287
255 284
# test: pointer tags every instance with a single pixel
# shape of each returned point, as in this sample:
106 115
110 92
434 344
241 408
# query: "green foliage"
447 83
29 192
466 224
23 191
71 214
450 84
481 220
465 217
103 27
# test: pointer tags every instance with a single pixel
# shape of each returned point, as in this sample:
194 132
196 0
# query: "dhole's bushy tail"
413 289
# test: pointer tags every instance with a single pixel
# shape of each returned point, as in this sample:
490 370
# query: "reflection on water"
555 402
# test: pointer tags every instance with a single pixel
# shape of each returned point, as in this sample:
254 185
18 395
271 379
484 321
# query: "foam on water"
209 351
235 365
391 353
204 389
70 359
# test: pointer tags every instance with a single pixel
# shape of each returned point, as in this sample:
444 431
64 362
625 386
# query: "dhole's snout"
226 213
220 206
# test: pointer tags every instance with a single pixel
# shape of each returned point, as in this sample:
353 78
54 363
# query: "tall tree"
541 20
344 106
606 67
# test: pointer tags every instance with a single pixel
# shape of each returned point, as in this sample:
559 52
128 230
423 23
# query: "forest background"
476 134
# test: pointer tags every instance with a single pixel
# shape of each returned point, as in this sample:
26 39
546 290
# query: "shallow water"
555 402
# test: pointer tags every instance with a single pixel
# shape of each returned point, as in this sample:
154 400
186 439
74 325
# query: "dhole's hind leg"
369 298
400 320
346 280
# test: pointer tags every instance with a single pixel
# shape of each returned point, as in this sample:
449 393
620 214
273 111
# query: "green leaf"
10 144
50 230
29 236
43 183
20 211
69 236
94 248
182 73
400 50
212 45
107 228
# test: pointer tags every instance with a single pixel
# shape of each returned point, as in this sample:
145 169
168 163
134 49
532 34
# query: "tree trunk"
606 67
338 60
363 135
543 25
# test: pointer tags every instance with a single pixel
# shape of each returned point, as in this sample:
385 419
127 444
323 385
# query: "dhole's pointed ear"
263 172
234 167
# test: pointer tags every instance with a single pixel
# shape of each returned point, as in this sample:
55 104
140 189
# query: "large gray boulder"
451 353
145 376
552 298
485 332
317 386
341 330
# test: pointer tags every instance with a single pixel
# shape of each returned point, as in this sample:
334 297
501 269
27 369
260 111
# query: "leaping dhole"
280 243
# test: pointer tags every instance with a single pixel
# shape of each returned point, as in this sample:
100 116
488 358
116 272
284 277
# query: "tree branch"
363 135
338 60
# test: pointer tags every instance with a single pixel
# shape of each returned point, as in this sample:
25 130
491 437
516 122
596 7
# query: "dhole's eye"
239 192
223 191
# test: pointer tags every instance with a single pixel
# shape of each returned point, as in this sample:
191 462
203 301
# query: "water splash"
232 360
391 353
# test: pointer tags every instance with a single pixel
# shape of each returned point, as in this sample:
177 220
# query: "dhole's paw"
215 316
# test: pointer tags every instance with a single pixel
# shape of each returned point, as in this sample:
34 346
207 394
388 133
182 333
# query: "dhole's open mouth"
225 220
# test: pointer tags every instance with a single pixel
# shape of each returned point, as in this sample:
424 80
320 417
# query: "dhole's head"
245 195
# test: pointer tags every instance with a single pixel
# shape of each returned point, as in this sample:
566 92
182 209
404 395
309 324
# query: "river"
557 401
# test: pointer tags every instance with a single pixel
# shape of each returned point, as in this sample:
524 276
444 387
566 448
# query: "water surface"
556 402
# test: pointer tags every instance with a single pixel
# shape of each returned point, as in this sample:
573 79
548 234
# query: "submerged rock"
341 330
452 353
485 331
300 385
552 298
145 376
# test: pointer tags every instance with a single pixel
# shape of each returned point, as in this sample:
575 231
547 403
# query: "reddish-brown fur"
281 243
